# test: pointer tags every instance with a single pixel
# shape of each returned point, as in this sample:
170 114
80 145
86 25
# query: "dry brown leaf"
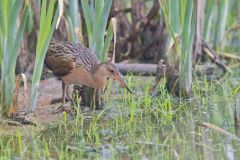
14 105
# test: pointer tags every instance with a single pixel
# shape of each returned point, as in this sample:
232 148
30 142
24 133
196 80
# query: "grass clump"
137 126
11 34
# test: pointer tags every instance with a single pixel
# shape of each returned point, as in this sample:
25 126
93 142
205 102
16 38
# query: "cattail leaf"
19 38
99 35
88 20
44 39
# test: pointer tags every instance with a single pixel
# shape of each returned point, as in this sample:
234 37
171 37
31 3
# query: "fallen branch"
214 56
10 122
150 143
220 130
230 56
234 27
14 106
139 69
234 65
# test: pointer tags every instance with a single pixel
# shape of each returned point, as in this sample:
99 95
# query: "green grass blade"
165 10
41 52
19 38
43 13
99 36
237 90
174 15
47 23
71 28
42 22
6 8
1 35
99 5
208 19
173 12
11 37
221 22
73 18
88 20
187 25
13 17
74 13
107 43
183 7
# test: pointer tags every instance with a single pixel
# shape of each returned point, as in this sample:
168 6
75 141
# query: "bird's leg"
102 102
105 87
63 107
94 99
157 80
63 93
68 96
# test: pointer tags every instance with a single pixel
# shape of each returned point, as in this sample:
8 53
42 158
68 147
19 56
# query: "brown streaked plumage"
76 64
170 72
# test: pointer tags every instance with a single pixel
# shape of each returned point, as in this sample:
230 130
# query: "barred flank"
62 57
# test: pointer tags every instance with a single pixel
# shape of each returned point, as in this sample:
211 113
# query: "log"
137 69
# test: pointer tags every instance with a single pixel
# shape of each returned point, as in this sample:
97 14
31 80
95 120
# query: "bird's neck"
99 80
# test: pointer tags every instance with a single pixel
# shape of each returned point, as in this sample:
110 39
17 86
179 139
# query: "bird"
171 73
74 63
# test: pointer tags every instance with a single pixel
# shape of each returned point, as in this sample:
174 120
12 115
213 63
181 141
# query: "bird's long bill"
119 78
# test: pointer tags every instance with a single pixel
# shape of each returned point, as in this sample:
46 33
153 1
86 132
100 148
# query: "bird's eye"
112 71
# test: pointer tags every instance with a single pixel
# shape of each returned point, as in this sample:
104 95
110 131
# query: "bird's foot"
64 108
22 117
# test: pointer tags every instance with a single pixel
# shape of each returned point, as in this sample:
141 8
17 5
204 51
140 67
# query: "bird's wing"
62 57
59 58
84 57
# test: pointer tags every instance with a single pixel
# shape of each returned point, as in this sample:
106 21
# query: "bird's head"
108 69
162 67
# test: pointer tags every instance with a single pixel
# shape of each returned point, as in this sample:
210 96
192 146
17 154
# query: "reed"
47 26
180 18
96 16
74 21
11 34
221 23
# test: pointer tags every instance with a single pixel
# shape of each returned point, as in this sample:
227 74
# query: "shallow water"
141 126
